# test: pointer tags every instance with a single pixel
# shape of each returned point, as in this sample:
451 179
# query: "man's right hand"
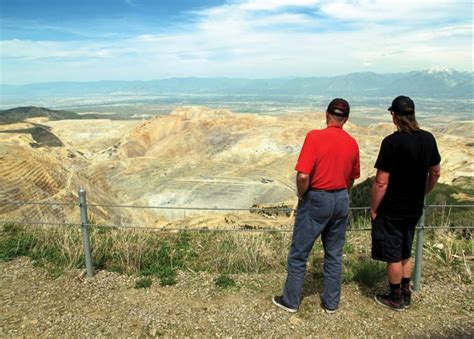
373 214
302 184
301 196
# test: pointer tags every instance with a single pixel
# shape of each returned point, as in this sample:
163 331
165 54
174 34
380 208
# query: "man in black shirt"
407 169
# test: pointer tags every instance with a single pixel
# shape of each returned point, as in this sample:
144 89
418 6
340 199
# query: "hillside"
22 114
19 114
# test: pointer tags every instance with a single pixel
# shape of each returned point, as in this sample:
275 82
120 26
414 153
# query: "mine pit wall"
140 139
34 175
209 195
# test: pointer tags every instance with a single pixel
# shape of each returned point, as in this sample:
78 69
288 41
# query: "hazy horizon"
432 69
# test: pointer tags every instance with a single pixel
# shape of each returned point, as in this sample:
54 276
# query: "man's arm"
351 183
433 175
302 184
378 191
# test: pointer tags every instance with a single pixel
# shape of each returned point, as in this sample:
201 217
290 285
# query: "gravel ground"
35 304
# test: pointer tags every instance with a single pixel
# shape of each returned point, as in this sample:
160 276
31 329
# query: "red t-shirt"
331 157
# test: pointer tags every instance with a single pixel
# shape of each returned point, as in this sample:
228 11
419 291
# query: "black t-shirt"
407 157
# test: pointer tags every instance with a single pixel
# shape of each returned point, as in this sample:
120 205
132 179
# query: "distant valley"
440 94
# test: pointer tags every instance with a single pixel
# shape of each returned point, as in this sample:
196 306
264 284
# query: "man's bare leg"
395 272
406 268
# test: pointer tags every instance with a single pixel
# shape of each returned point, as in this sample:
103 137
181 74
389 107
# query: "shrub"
368 272
15 242
224 281
143 283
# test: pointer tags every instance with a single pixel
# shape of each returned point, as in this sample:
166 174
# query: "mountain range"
436 82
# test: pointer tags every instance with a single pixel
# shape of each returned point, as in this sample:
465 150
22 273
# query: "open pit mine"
194 157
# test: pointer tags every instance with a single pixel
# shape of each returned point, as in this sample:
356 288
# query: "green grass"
146 253
357 268
15 242
368 273
348 248
224 281
163 255
143 283
43 247
451 251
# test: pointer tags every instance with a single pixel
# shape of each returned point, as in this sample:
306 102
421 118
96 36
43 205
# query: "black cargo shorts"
392 237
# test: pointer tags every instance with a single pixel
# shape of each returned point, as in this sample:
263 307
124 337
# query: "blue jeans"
319 213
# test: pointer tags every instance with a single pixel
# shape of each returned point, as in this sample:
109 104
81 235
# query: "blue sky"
84 40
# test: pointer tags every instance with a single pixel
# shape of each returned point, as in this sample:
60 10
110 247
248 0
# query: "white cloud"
284 19
263 39
31 50
269 5
445 32
394 12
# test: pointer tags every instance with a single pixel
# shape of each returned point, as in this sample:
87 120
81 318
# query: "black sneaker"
390 302
406 295
278 301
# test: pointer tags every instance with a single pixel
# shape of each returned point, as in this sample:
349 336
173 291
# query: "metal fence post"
85 232
420 232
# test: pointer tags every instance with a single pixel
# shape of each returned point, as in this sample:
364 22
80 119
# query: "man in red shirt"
327 167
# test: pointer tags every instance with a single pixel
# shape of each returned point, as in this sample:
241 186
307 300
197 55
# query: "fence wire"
251 209
197 229
50 203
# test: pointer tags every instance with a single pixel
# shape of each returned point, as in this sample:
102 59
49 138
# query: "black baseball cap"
402 105
339 107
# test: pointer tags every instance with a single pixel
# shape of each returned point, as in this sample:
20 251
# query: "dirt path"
35 304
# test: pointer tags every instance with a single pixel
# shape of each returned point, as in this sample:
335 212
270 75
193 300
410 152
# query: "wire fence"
249 209
85 223
194 208
27 202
